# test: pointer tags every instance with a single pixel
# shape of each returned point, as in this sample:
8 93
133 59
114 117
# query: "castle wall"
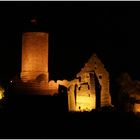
81 95
85 92
95 65
92 89
81 91
85 101
71 99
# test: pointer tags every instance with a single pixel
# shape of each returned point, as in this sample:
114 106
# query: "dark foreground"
41 117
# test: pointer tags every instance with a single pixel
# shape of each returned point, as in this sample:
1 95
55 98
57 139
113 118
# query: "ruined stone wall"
85 93
71 98
94 64
92 89
85 101
34 55
71 95
81 96
81 91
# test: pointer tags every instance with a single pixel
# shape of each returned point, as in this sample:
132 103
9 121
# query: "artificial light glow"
85 103
137 108
1 93
34 55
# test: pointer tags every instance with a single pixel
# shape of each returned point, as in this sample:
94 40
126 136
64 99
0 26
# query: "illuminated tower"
34 56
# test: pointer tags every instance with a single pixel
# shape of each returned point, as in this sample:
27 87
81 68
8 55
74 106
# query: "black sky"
76 30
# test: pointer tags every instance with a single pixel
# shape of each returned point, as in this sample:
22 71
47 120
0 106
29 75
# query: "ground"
33 117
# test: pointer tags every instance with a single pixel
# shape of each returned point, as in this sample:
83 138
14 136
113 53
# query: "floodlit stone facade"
88 91
34 56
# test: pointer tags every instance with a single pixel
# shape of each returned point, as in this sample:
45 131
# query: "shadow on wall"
40 78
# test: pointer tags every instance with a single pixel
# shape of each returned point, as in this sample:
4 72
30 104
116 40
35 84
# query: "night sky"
76 30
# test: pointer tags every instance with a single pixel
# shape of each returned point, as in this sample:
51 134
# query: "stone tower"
34 56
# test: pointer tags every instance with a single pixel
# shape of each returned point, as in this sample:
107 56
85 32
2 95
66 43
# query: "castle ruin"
89 90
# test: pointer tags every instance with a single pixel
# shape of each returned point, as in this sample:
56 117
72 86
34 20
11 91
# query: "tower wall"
34 55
